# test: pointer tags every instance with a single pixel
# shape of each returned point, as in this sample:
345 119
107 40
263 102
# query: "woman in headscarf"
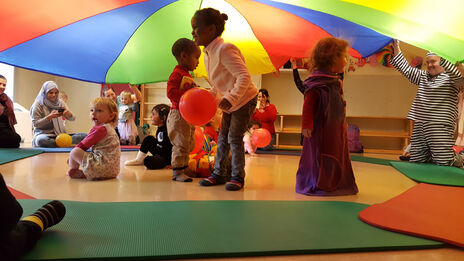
8 136
48 114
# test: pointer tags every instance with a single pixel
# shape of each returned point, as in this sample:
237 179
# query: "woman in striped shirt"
434 110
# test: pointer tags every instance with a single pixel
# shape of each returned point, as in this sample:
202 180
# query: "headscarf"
41 99
9 109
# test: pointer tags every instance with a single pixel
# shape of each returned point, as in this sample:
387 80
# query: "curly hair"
325 53
209 16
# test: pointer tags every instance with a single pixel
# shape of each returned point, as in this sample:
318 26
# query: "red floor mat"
19 194
430 211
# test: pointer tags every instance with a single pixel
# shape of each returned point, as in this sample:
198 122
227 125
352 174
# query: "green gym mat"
8 155
200 229
431 173
371 160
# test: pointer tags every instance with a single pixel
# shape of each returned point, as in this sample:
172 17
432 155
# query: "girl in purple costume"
325 166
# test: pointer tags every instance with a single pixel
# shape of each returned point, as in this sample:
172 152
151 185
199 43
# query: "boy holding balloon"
180 132
231 79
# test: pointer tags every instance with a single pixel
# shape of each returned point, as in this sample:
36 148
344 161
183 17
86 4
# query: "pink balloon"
261 137
197 106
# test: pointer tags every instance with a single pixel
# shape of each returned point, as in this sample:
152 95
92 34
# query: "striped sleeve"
452 71
413 74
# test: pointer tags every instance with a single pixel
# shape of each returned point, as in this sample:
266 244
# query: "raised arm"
452 70
138 94
296 76
399 62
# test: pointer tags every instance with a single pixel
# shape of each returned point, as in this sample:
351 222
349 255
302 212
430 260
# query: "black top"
163 146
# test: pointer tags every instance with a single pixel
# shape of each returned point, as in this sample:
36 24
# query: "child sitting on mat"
159 146
17 237
102 161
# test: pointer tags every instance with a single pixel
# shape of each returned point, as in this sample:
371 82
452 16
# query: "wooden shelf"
289 130
387 134
382 151
289 146
373 130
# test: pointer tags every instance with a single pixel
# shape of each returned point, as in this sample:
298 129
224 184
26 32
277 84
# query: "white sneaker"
133 162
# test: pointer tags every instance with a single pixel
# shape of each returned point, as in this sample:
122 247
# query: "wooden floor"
269 177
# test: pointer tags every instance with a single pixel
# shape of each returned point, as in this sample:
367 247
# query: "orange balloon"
261 137
197 106
199 140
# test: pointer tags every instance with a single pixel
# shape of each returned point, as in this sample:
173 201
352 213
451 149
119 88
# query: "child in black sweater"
160 146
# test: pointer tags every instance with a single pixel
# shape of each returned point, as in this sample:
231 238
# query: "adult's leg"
11 210
440 138
20 240
29 230
270 146
78 137
15 238
46 141
420 151
9 138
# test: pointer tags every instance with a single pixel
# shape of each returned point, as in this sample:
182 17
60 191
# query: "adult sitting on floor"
266 114
8 136
47 115
434 110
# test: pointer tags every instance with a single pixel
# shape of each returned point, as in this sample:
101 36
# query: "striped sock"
48 215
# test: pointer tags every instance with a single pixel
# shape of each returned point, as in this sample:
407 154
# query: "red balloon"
261 137
197 106
199 140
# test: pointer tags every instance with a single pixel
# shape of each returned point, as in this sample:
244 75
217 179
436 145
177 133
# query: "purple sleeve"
96 134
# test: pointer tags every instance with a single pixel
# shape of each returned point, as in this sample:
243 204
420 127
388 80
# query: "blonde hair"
127 95
110 105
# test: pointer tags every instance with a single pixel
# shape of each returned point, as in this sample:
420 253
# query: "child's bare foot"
76 174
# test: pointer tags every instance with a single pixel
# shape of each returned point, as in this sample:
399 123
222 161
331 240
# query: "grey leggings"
48 141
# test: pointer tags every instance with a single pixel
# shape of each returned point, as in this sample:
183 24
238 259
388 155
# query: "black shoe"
212 181
405 158
234 185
